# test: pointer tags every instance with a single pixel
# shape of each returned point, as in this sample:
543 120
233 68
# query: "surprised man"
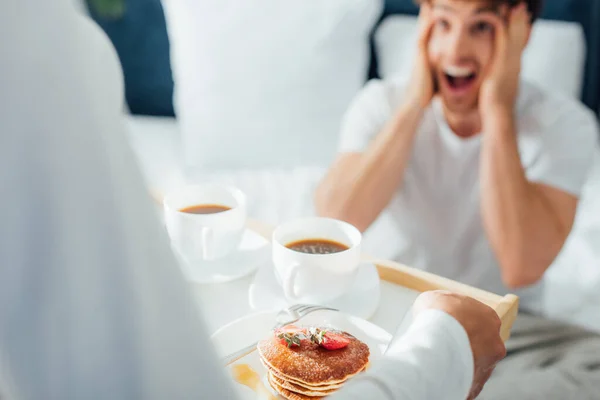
480 169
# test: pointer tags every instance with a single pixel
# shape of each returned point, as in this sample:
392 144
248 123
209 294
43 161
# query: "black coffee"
317 246
205 209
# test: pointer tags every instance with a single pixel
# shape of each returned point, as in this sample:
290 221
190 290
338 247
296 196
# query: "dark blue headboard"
140 38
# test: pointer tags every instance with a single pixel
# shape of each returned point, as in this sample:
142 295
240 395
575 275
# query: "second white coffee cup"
316 278
201 237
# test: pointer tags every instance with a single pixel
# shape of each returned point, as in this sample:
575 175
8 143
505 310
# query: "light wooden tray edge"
505 306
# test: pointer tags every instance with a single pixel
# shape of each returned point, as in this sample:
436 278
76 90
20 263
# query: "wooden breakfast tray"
421 281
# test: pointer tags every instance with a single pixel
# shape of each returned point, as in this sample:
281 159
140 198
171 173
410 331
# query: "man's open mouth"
460 82
459 78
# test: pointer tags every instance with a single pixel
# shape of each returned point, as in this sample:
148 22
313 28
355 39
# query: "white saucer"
254 251
361 300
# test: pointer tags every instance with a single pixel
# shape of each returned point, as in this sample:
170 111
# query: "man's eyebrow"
486 9
480 10
444 7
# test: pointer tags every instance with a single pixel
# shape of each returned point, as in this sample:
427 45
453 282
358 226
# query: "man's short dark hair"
534 6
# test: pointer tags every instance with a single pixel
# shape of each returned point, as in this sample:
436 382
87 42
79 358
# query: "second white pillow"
265 83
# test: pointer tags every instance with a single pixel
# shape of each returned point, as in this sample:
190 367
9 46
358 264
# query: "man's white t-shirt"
437 208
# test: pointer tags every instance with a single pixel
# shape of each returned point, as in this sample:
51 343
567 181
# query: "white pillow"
264 83
554 58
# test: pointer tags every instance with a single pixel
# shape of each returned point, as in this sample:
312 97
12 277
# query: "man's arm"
527 223
360 185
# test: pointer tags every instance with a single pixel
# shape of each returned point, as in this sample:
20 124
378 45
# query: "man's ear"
529 28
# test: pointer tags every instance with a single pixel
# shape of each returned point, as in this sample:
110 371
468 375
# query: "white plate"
361 300
254 250
247 330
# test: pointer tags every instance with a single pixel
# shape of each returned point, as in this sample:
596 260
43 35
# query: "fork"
284 317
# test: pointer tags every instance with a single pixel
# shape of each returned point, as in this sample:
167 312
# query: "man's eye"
483 27
443 24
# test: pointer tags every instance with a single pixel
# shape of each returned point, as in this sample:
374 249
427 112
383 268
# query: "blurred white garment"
92 304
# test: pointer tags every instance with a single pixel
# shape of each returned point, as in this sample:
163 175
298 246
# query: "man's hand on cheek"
421 88
500 87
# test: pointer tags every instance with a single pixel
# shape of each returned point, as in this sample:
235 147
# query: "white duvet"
572 285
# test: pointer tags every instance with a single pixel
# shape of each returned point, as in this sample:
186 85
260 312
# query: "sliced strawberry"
334 341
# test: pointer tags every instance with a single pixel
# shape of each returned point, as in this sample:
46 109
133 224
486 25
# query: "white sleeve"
432 361
564 148
365 118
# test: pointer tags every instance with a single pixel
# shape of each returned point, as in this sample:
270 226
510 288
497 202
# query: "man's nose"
457 45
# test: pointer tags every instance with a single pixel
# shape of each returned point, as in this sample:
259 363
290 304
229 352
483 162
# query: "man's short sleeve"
565 149
367 115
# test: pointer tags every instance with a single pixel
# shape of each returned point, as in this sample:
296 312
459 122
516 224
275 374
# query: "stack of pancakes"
311 371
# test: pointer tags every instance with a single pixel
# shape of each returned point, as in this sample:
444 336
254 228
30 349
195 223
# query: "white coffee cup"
205 237
316 278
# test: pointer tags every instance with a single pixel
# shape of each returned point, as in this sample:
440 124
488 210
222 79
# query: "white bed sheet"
572 285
